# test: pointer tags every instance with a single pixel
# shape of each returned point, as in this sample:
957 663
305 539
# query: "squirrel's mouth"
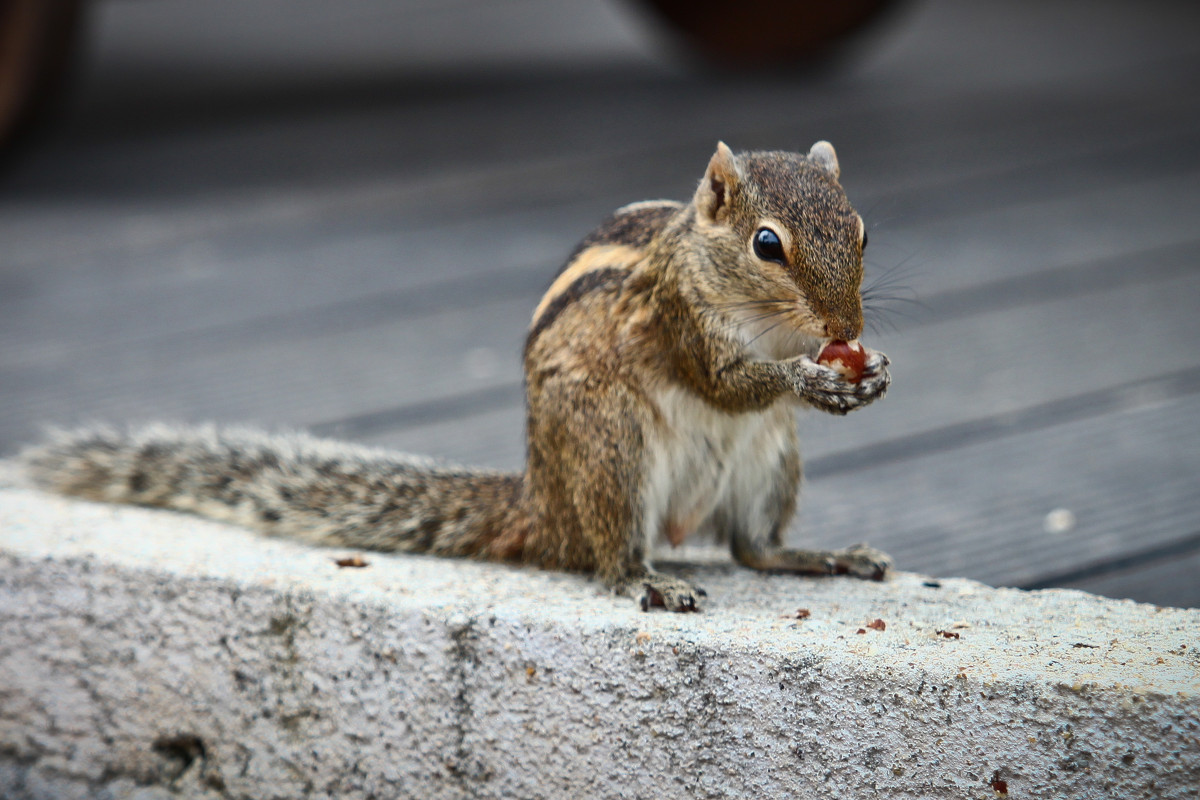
811 345
807 338
778 331
798 342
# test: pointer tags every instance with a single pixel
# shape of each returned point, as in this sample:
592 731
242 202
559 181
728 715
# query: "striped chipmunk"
662 370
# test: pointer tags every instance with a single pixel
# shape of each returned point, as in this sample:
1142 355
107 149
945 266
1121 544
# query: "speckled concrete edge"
151 655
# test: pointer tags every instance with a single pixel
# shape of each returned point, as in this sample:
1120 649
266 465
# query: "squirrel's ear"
716 190
822 154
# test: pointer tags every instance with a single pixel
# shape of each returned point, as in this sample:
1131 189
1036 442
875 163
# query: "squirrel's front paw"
654 590
875 376
826 389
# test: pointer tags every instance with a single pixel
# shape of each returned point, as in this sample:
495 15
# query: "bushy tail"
293 485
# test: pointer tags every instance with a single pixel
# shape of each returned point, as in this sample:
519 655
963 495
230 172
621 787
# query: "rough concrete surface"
150 655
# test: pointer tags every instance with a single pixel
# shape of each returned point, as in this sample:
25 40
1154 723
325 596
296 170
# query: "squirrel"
662 370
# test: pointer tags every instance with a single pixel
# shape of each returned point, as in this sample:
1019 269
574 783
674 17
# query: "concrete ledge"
151 655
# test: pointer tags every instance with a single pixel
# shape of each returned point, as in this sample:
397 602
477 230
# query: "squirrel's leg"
859 560
601 461
756 536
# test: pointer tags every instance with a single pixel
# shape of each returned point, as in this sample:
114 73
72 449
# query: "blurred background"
339 216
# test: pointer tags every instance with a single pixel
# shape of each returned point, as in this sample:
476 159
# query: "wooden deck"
343 224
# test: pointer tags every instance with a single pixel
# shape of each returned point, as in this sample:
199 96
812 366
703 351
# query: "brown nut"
848 359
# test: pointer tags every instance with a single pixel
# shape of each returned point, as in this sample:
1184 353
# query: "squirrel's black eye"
767 246
864 241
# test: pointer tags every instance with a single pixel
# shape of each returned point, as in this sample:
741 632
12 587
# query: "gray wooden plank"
922 41
215 297
1120 221
927 150
275 38
494 438
148 190
200 299
275 381
1170 580
992 363
193 265
945 373
1128 479
991 44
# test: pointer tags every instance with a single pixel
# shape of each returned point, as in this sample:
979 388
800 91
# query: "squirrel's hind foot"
862 561
655 590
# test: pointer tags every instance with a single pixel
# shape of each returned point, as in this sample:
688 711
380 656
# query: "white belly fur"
702 459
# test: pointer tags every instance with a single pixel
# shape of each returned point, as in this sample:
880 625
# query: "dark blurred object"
766 33
38 39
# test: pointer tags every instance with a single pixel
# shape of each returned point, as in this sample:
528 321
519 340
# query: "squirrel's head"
784 235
